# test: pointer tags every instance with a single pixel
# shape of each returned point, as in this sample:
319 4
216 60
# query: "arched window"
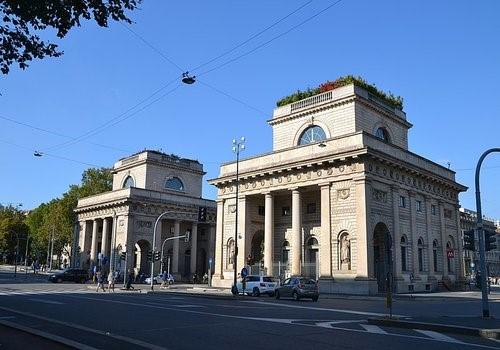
420 254
129 182
312 134
404 266
383 134
230 254
174 183
435 255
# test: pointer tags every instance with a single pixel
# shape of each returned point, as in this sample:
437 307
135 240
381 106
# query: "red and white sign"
450 254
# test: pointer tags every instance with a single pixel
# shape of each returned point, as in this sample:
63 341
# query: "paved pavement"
131 320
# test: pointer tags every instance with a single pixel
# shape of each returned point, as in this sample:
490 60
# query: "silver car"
298 288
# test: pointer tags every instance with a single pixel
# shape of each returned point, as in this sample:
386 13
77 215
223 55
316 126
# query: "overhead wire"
270 40
59 134
227 52
51 154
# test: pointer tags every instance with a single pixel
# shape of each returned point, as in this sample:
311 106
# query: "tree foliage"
23 19
12 227
57 217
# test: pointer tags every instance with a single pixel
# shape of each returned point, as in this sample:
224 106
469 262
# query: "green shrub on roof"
387 97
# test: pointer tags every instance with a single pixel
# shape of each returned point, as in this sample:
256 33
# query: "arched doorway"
382 255
311 266
187 263
141 256
256 260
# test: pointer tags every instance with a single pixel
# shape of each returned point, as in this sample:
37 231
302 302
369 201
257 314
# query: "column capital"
325 184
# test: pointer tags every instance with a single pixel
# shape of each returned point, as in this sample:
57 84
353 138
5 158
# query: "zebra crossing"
44 290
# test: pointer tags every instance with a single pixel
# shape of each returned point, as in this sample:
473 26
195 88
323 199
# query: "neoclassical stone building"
342 199
146 185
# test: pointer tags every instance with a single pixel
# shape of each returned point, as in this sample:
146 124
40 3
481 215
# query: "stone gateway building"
341 199
145 185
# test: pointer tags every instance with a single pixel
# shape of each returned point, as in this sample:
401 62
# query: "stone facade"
468 220
146 185
341 199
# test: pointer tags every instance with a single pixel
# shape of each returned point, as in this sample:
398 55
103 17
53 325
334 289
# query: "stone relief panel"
379 195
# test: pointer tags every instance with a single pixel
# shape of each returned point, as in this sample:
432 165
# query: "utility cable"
270 40
59 134
225 53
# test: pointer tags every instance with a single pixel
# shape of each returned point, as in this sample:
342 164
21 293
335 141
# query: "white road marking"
329 324
87 329
46 301
7 317
287 321
373 329
190 305
354 312
438 336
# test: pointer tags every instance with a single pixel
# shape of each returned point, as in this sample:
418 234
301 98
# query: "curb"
438 327
206 296
55 338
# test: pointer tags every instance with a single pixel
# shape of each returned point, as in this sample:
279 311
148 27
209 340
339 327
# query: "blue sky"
441 56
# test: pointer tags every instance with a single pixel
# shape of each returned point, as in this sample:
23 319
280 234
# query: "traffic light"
150 255
123 255
469 240
489 240
157 255
187 236
202 214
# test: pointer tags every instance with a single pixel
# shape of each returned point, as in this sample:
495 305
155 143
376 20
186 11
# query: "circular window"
383 134
174 183
129 182
312 134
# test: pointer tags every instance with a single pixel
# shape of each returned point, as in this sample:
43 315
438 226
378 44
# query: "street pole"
480 232
26 256
125 274
237 147
17 254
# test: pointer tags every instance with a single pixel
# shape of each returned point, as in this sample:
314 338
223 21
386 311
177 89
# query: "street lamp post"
480 232
26 256
238 146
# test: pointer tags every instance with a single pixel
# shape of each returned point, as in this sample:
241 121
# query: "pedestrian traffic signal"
202 214
157 256
490 240
150 256
187 236
123 255
469 240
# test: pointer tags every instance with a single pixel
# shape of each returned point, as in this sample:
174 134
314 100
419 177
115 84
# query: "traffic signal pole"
480 232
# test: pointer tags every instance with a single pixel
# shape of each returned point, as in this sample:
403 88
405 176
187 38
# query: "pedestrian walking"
111 281
100 281
129 280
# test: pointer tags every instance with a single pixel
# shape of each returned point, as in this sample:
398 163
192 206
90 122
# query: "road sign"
450 254
244 272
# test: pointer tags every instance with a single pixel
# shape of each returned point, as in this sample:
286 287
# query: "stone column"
194 246
219 241
325 252
105 236
93 247
269 233
243 225
175 254
443 239
458 240
364 232
428 225
396 233
212 247
296 232
413 232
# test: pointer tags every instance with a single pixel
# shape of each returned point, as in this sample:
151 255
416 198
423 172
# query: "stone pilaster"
413 232
325 252
194 246
363 228
296 232
175 253
443 239
269 233
428 225
93 247
396 232
219 241
105 237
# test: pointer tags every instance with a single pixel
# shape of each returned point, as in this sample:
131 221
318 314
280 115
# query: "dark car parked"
72 275
297 288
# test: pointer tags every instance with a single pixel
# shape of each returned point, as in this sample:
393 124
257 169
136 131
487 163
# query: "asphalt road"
165 321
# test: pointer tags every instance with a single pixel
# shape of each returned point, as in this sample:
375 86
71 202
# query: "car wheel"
59 280
315 298
255 292
295 296
271 294
277 294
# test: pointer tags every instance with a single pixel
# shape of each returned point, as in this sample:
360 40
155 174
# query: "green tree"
12 227
23 19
